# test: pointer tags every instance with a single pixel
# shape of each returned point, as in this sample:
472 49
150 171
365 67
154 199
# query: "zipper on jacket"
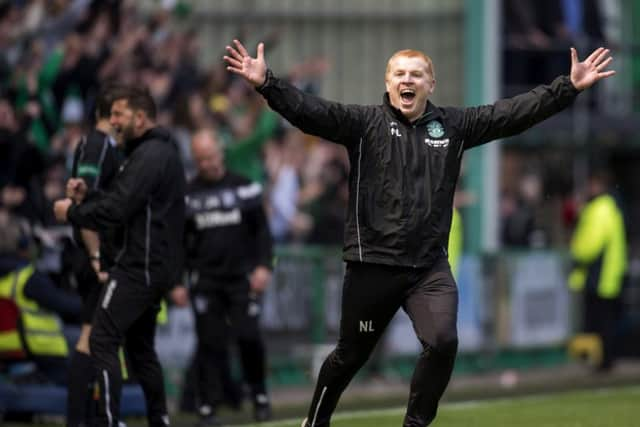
414 238
461 149
358 199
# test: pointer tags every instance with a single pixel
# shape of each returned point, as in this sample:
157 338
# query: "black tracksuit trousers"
126 315
371 295
224 311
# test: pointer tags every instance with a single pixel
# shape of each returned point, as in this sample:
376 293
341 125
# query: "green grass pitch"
615 407
611 407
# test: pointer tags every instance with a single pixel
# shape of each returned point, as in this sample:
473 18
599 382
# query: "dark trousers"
372 293
602 317
225 310
126 315
80 405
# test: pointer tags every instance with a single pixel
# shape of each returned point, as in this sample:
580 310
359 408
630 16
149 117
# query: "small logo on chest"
394 129
438 143
435 130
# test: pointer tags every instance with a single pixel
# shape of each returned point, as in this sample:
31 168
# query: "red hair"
411 53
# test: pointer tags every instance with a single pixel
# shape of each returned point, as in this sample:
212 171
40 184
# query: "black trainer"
261 408
208 417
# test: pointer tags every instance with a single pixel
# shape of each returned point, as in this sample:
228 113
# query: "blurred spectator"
581 26
461 199
31 300
324 194
64 142
307 75
33 97
21 166
228 250
538 34
524 39
55 55
53 188
191 114
599 254
283 187
520 225
454 248
250 124
581 23
307 189
81 58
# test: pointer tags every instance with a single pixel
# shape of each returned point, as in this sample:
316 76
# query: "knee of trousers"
251 341
249 331
141 356
208 345
104 350
444 347
349 358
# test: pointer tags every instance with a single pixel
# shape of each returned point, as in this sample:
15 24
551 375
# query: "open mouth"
407 95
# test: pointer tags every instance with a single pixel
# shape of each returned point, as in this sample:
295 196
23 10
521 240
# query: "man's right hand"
76 189
254 70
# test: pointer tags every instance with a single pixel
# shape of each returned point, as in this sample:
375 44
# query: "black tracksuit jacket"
226 230
403 175
147 199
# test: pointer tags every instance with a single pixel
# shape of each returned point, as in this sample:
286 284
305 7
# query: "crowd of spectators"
538 34
55 55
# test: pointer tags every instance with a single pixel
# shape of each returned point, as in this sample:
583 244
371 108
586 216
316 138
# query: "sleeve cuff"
572 89
268 80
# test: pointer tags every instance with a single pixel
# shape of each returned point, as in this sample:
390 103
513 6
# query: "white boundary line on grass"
362 413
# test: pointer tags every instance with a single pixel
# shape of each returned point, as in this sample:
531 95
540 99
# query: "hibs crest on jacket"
436 130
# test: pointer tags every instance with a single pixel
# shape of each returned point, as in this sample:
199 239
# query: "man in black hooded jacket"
147 199
405 158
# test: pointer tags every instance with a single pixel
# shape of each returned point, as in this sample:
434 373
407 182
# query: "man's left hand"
61 208
586 73
259 279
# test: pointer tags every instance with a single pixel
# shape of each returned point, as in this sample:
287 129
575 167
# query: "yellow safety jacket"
41 330
455 241
599 248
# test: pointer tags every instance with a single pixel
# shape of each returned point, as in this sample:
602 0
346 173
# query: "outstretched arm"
508 117
313 115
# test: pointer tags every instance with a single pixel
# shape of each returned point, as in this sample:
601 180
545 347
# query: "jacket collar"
153 133
200 180
431 112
